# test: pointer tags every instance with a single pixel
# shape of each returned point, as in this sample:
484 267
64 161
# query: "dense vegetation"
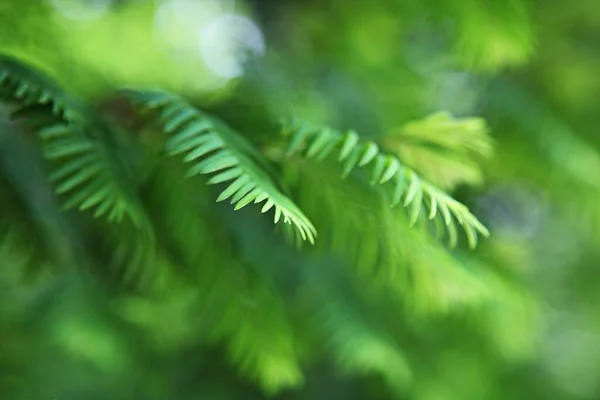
299 199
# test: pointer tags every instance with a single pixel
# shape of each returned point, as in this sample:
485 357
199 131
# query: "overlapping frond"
211 148
254 327
360 348
402 183
445 150
85 171
407 262
492 36
262 346
86 175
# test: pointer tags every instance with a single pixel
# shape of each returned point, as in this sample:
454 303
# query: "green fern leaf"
407 184
211 148
84 172
443 149
383 249
360 347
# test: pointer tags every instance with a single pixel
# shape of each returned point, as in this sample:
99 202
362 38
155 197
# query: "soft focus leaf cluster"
414 123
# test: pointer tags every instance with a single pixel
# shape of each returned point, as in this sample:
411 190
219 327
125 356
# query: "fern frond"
360 348
84 170
124 257
263 348
442 148
492 36
211 148
384 251
404 185
262 345
86 175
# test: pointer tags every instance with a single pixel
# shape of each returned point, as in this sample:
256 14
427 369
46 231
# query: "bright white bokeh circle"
210 31
226 40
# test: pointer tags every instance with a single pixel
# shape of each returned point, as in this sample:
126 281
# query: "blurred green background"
240 313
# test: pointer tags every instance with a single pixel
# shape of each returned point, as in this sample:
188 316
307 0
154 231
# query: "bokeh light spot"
226 41
81 10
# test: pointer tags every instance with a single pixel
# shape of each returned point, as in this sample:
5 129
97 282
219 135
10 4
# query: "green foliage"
83 152
405 185
493 35
360 348
262 345
84 169
444 149
406 262
143 281
213 148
